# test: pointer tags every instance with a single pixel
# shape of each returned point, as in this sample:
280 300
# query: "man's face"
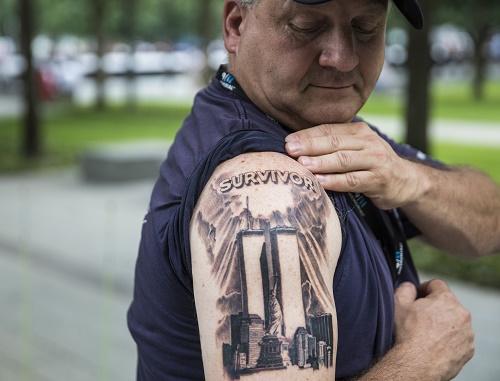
306 65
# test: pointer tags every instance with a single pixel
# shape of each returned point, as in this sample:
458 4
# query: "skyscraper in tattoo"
273 329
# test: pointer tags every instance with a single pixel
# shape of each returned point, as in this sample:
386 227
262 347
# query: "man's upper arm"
265 240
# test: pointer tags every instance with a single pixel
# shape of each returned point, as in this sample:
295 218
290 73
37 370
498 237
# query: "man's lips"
334 87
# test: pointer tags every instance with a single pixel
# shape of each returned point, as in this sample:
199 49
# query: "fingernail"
291 137
293 147
307 161
321 179
406 284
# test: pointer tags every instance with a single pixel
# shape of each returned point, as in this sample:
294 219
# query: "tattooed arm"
265 241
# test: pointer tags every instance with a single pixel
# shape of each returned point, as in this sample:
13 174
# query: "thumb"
405 294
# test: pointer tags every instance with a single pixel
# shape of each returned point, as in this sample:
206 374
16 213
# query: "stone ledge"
119 162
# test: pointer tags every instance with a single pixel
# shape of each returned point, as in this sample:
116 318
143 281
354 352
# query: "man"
248 269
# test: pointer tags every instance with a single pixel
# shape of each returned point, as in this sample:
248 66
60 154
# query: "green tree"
479 18
417 91
484 17
98 9
62 17
129 30
31 118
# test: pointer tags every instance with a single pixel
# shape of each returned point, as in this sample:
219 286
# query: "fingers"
434 286
404 298
353 158
317 146
436 326
327 129
338 162
405 294
327 138
370 183
346 182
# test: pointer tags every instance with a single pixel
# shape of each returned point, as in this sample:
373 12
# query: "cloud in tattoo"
220 222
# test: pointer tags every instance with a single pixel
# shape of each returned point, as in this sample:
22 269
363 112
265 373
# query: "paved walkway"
67 252
443 130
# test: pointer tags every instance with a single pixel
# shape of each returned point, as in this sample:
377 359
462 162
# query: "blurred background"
91 94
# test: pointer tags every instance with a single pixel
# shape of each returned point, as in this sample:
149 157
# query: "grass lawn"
67 132
449 101
487 159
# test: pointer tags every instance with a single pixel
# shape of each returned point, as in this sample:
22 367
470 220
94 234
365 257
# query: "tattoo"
276 306
259 177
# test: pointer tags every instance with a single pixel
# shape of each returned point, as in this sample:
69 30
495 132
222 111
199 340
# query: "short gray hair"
247 3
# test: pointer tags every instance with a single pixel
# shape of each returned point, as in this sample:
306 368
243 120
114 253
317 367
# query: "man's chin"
338 116
316 114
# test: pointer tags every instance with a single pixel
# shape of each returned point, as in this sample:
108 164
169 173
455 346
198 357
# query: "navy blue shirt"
162 316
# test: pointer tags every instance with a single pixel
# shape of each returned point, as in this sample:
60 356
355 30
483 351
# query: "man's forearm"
458 210
400 364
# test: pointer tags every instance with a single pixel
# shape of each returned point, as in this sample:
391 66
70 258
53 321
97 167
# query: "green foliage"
156 20
62 17
169 20
467 13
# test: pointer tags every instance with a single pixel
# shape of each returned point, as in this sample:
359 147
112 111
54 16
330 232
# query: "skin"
221 215
330 71
315 82
434 336
333 52
353 158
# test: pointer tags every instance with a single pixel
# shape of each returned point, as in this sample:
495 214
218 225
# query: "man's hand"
457 209
353 158
435 326
434 337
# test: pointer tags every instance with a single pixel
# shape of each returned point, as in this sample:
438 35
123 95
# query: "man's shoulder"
264 240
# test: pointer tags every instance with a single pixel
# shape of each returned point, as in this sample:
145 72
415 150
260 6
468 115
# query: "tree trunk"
31 117
98 26
418 87
129 32
205 31
479 62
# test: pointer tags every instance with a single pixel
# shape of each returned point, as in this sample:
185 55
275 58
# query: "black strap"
388 230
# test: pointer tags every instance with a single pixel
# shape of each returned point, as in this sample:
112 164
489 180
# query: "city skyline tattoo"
275 304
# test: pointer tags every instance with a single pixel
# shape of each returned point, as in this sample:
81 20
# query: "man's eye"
365 29
311 28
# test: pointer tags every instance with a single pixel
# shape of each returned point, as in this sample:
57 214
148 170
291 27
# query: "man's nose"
339 50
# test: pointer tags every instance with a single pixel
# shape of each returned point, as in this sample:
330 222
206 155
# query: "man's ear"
233 17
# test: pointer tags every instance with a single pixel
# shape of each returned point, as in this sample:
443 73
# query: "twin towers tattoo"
274 329
276 307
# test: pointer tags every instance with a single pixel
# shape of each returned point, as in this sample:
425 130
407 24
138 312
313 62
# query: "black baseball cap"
409 8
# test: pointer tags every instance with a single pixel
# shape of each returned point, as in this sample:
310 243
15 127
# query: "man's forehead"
409 8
